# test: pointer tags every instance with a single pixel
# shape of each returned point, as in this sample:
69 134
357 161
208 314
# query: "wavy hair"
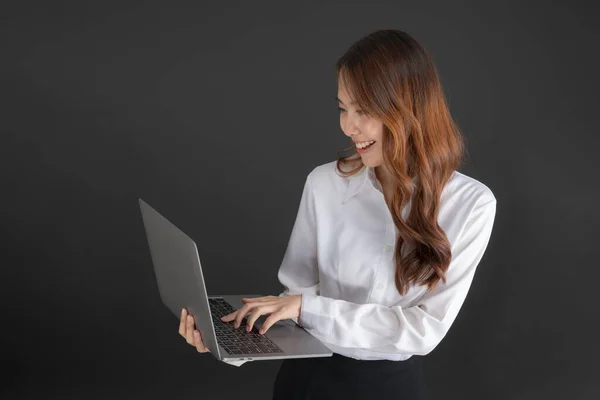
393 78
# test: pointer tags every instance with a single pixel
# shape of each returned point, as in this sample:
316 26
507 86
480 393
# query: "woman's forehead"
343 95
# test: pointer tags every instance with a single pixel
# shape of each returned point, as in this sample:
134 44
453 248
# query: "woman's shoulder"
461 195
464 189
325 179
324 172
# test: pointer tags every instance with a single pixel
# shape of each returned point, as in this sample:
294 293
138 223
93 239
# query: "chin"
369 162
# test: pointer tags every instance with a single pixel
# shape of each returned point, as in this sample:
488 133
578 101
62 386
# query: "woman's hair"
393 79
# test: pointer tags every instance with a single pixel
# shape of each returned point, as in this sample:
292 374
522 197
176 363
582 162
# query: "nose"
350 127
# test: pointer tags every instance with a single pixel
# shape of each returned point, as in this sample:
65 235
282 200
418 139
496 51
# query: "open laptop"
181 284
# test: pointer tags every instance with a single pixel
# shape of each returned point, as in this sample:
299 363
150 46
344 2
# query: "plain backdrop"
215 114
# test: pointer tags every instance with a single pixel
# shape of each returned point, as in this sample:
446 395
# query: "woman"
382 255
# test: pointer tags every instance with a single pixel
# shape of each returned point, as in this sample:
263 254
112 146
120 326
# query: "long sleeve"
298 272
413 330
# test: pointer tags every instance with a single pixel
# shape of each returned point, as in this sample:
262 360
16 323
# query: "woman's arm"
299 272
412 330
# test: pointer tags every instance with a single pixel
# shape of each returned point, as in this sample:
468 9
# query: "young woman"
387 239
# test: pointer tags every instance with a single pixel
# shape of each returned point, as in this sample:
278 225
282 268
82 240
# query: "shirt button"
379 287
389 248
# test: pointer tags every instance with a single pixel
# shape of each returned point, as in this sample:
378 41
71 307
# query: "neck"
384 177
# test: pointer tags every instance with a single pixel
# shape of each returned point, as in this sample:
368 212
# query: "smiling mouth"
365 148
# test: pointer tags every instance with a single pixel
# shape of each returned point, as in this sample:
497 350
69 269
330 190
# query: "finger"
189 333
265 309
253 317
251 299
241 313
228 317
276 316
198 342
182 322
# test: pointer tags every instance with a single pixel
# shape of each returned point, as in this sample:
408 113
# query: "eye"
358 111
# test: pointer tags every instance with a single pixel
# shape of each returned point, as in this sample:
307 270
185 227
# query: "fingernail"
222 318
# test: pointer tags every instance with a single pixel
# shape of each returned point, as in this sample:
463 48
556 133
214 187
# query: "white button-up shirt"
340 258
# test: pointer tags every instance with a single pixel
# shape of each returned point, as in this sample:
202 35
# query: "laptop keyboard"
238 341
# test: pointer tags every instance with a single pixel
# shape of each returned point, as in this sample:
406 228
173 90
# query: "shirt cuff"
317 315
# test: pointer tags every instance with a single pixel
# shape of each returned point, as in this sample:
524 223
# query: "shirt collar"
358 180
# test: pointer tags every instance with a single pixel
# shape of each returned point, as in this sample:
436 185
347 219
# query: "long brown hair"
393 78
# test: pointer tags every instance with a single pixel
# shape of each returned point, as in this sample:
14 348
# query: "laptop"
178 273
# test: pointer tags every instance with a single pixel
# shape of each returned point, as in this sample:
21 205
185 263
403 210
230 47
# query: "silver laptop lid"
178 273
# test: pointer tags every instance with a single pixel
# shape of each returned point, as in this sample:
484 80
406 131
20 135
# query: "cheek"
375 129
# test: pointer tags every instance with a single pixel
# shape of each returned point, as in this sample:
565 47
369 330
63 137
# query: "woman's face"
362 129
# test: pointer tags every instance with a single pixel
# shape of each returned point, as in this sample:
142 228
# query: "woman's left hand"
278 307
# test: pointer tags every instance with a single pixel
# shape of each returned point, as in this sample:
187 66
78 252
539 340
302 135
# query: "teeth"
364 144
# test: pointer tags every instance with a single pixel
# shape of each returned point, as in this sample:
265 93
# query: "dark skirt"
340 377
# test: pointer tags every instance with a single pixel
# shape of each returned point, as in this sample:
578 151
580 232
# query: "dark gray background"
215 115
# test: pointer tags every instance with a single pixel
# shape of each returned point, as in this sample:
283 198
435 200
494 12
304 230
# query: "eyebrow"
338 99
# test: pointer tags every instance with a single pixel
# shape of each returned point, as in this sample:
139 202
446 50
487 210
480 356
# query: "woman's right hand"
190 334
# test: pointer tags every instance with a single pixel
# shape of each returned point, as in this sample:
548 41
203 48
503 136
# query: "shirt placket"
382 275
